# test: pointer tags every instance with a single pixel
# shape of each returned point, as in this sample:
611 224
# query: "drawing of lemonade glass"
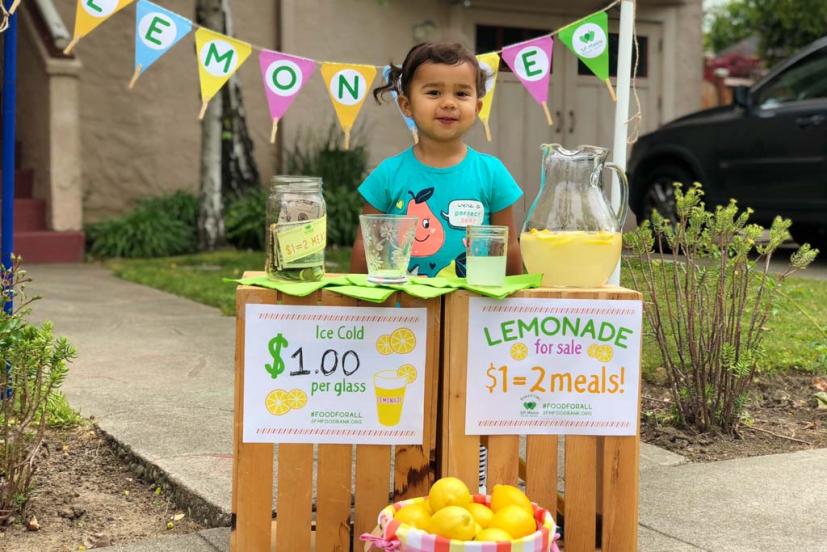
390 386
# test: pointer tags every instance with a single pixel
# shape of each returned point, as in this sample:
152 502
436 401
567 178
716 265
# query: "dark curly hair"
449 53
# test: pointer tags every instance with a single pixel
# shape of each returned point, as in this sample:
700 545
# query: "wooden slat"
252 495
581 493
294 507
414 466
460 452
621 479
541 470
503 460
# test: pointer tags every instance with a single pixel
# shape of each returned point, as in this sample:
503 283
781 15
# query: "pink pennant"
530 61
284 76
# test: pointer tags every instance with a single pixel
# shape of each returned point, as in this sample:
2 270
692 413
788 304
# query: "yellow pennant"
348 86
91 13
490 63
219 57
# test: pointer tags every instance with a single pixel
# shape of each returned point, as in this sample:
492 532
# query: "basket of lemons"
450 517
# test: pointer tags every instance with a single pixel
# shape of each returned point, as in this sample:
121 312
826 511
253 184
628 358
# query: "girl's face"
442 100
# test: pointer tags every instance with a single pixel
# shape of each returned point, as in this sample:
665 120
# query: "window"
805 80
642 65
492 38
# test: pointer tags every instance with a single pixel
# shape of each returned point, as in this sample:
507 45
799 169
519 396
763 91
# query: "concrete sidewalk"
156 373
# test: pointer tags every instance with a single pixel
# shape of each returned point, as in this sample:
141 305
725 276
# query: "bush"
342 171
36 362
245 220
707 302
156 227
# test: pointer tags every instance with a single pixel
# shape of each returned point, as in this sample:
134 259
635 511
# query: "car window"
805 80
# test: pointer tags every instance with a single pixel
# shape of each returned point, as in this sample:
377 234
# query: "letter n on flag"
347 85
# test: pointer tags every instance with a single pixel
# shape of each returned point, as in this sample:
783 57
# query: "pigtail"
393 84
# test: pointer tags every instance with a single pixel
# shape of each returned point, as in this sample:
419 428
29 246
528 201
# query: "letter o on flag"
99 8
218 58
284 78
348 87
157 31
532 63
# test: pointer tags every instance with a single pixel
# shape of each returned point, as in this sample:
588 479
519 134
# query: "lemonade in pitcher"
572 235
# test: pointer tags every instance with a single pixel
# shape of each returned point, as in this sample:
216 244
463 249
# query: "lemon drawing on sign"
592 350
296 399
519 351
402 341
407 371
383 345
605 353
276 402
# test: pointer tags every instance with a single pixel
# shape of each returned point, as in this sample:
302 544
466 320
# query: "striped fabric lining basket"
403 538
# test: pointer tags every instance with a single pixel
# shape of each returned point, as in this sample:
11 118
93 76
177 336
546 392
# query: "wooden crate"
601 473
342 511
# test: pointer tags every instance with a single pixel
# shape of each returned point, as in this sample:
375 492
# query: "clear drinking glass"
388 240
486 253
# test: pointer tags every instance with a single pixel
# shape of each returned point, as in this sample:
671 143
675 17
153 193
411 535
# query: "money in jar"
296 229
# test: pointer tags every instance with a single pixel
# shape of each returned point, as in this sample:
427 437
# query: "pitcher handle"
623 208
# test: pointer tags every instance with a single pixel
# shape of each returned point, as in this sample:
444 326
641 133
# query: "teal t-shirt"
446 200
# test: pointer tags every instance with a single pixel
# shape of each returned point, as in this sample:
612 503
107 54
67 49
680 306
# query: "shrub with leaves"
245 220
709 293
33 366
156 227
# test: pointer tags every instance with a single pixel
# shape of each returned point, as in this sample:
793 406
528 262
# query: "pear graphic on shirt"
429 232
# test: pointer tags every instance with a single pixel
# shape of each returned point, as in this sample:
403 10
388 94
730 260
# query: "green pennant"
589 40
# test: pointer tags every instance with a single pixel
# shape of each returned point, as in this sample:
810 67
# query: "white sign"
553 366
347 375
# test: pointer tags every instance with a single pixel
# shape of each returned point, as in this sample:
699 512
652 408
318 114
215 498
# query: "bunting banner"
91 13
490 63
348 85
284 76
409 122
156 31
589 40
530 61
219 57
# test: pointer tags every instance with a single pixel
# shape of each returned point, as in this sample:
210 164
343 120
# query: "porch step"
29 215
23 183
45 246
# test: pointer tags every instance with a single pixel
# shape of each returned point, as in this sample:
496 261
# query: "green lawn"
793 342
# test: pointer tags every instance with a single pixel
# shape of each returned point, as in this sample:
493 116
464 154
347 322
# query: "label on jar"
302 239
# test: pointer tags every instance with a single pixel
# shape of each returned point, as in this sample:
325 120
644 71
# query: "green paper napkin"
295 289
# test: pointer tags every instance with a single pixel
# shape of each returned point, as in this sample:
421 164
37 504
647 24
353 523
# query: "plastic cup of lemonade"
389 387
486 252
388 240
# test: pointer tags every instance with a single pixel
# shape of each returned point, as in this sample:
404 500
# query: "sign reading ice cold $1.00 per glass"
350 375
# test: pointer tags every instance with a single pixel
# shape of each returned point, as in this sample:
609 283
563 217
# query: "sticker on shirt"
429 232
464 212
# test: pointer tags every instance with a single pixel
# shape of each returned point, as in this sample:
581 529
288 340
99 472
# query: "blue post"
9 106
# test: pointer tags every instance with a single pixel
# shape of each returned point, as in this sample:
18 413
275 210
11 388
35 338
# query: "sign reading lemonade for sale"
562 366
349 375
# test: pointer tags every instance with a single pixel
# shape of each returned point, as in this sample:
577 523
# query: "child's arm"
358 265
514 263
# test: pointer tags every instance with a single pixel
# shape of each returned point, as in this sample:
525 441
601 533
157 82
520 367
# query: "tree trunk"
210 204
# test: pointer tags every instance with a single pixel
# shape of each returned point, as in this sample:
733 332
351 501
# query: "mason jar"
296 228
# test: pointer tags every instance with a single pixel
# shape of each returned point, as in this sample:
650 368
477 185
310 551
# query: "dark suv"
768 150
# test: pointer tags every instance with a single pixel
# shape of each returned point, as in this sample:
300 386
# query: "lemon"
383 345
448 491
519 351
493 535
515 521
415 515
276 402
407 371
507 495
453 522
403 341
296 399
592 350
482 513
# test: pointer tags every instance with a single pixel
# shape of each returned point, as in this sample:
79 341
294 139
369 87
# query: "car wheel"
815 235
660 191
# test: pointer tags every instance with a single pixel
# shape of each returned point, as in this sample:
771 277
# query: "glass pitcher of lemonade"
571 233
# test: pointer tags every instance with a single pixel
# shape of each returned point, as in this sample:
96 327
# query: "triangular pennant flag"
409 122
490 63
347 85
589 40
531 63
283 76
219 57
91 13
156 31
